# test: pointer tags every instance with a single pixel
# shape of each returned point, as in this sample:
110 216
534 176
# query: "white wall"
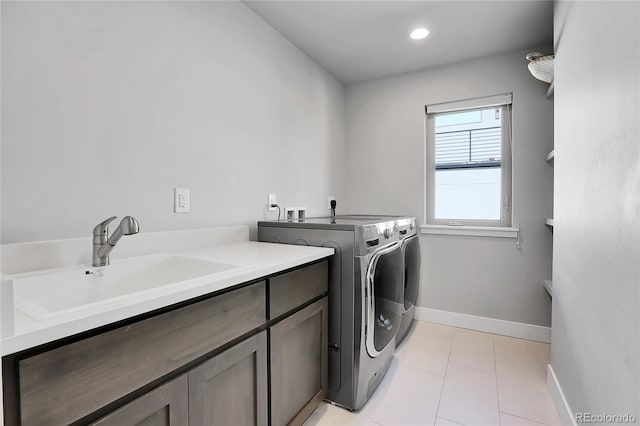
480 276
596 265
106 106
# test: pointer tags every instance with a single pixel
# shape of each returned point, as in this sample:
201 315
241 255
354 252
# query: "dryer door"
384 298
411 249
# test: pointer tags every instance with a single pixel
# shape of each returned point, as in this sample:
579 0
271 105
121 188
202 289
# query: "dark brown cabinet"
298 345
164 406
231 388
209 361
130 357
298 364
228 389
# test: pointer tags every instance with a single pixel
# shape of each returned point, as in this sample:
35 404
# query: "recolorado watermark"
605 418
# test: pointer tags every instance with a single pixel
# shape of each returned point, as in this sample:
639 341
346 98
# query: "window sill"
472 231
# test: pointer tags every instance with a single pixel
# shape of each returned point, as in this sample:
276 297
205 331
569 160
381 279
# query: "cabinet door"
231 388
163 406
298 364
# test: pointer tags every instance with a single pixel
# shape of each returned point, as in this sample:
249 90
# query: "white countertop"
254 260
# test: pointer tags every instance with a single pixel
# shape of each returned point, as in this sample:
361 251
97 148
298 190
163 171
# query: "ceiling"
363 40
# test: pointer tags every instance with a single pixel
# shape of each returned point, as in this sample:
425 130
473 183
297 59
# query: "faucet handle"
102 228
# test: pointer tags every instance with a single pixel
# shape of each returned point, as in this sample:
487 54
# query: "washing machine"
411 259
365 307
410 249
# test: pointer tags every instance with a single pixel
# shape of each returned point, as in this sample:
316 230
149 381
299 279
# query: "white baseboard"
488 325
565 413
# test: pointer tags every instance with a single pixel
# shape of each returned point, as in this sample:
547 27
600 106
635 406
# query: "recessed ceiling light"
419 33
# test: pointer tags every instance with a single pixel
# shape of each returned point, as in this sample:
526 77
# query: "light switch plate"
181 200
271 199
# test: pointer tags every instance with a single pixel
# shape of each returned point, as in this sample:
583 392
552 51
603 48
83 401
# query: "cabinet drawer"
65 384
290 290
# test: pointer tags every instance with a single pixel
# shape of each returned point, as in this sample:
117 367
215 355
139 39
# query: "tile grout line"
453 338
517 365
480 334
525 418
421 371
495 366
474 368
453 421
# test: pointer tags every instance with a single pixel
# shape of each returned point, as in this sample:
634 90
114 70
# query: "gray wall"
596 262
106 106
481 276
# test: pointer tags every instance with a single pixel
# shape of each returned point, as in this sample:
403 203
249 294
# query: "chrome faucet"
103 244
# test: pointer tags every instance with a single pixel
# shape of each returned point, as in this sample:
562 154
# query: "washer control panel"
406 227
375 236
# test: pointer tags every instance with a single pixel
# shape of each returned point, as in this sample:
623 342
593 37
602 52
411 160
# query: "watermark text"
605 418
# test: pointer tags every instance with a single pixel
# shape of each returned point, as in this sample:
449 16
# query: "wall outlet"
291 213
181 200
295 213
331 198
271 199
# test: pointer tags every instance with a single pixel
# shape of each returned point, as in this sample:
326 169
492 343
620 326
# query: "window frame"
506 178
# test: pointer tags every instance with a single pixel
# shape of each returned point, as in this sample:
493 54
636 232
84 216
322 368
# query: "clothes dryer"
410 248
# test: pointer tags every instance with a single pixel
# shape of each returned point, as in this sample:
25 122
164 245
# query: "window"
468 163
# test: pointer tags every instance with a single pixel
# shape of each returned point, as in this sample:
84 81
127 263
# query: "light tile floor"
443 376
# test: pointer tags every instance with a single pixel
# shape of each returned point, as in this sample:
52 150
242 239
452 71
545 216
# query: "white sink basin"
50 294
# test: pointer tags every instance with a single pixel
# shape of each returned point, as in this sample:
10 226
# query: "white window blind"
475 103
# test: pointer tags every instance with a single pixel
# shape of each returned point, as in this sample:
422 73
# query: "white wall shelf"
549 94
548 221
548 285
550 156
